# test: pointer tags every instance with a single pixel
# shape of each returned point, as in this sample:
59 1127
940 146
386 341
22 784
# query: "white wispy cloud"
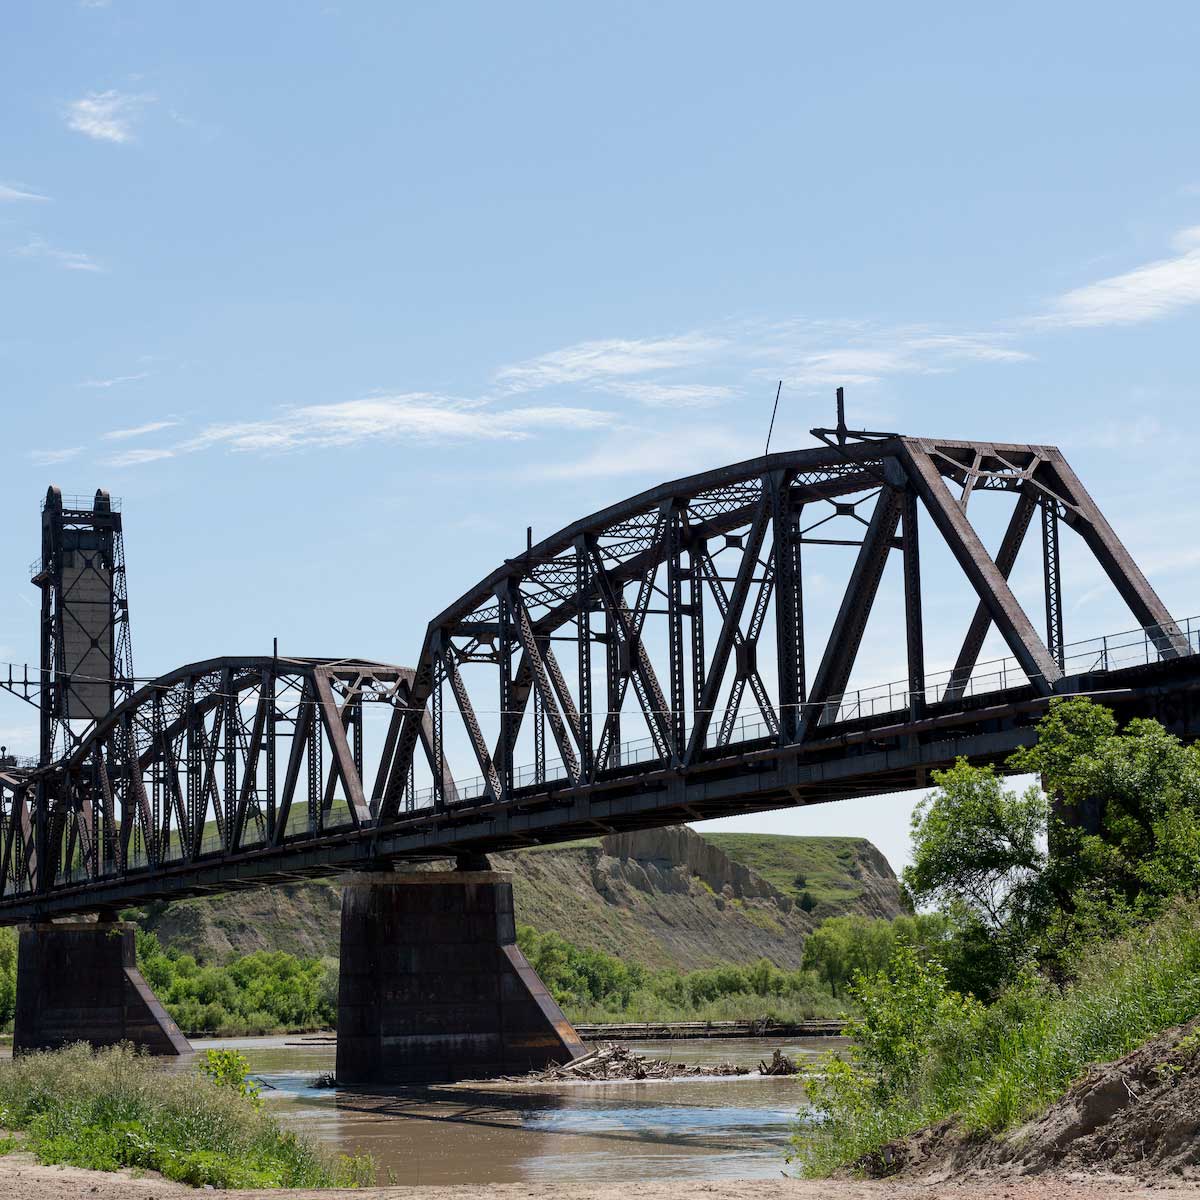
9 192
116 379
1143 294
598 361
137 458
655 454
672 395
138 430
49 458
69 260
819 355
414 416
106 116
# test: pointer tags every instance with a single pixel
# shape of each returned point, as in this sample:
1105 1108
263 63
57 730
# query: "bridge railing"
1111 652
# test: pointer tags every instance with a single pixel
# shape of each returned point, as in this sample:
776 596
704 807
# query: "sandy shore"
23 1179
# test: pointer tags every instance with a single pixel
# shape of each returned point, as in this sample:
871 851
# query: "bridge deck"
870 755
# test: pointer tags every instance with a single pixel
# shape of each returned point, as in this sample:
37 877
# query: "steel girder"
600 582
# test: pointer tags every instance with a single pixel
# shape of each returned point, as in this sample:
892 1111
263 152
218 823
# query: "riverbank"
23 1179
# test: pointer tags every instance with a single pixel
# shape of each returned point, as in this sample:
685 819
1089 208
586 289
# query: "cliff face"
663 898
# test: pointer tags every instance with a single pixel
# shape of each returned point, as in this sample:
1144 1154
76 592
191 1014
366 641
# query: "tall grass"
992 1068
115 1108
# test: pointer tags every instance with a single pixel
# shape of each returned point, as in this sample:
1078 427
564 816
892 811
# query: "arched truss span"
666 612
223 757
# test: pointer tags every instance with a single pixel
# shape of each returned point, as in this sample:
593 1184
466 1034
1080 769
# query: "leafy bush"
592 986
8 975
229 1068
922 1052
114 1108
259 993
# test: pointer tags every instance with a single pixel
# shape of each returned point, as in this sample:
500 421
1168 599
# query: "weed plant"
922 1053
115 1108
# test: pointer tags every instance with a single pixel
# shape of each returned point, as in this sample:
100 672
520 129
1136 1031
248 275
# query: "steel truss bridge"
643 666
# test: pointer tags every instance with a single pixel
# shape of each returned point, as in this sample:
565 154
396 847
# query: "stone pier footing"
432 986
79 982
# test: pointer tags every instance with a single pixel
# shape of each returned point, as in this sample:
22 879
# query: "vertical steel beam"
696 557
508 704
1052 581
913 625
583 634
789 606
673 513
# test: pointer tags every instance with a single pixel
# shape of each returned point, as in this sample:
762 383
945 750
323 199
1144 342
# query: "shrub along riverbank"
1064 946
113 1108
276 992
272 992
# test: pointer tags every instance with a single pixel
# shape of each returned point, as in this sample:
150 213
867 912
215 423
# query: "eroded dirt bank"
1139 1115
22 1179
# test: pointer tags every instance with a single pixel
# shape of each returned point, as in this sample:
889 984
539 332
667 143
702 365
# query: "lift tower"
86 653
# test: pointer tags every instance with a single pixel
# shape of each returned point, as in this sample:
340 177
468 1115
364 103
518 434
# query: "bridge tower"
86 653
79 980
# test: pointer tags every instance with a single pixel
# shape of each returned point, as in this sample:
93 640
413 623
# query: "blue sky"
339 298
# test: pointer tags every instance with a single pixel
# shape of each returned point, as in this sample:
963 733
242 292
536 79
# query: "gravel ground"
22 1179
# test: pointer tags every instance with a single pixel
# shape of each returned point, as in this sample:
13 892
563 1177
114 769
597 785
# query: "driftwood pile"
780 1064
616 1062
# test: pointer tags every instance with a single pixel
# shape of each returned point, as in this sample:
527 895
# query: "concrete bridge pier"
78 981
432 986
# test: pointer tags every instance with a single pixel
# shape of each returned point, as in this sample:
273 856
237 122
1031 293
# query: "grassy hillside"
825 867
663 900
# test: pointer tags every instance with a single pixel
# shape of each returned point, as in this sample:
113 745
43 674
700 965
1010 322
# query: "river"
698 1128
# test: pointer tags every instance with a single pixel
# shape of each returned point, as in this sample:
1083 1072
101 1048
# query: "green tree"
8 975
841 947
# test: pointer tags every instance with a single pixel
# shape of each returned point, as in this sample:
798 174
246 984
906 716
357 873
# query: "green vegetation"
923 1052
8 976
595 987
817 866
1060 946
258 993
841 948
113 1108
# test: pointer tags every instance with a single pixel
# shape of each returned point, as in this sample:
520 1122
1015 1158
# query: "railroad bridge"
647 665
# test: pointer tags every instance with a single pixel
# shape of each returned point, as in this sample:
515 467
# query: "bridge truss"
648 664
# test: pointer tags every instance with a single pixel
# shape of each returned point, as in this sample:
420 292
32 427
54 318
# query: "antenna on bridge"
839 435
771 428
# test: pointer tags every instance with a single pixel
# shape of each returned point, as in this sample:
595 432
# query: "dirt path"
22 1179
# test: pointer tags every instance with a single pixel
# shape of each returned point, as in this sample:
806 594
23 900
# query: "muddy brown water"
698 1128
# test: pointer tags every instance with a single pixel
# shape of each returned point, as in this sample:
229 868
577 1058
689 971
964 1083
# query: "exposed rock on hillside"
665 897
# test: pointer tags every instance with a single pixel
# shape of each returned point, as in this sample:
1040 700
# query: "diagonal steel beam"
846 635
916 465
300 730
466 709
730 628
1118 564
335 731
981 622
628 624
541 679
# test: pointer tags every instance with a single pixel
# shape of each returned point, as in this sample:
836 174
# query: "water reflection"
504 1133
